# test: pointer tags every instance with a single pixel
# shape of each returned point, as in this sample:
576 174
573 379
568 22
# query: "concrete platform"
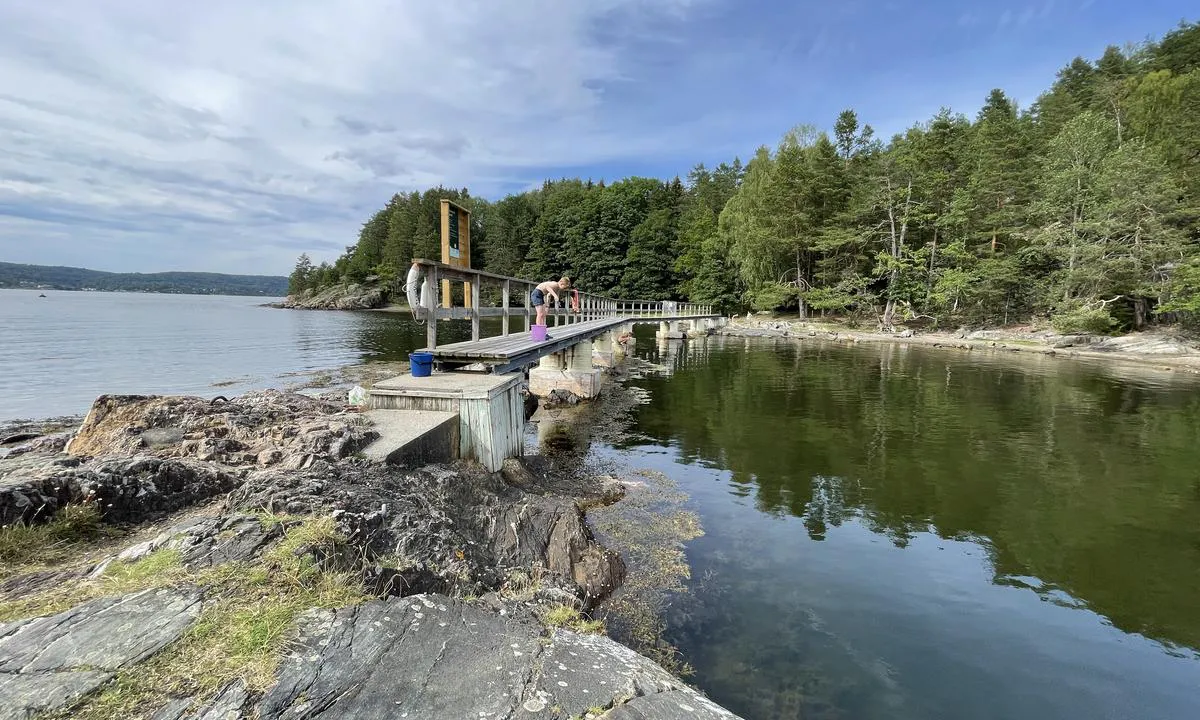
451 386
413 438
490 409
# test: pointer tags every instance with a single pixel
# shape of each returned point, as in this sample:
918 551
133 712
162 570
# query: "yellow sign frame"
456 245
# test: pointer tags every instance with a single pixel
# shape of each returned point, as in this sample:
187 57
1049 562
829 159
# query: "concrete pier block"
413 438
671 332
586 384
569 370
604 350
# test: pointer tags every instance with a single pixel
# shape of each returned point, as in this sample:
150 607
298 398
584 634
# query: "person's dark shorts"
538 297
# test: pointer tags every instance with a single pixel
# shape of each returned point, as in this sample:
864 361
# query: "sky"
234 135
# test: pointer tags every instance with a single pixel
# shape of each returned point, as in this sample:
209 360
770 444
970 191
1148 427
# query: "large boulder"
259 428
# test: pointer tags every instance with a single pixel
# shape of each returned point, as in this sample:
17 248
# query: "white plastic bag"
358 396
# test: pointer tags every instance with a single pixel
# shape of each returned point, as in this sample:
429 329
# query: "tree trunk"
1140 311
929 276
800 286
889 313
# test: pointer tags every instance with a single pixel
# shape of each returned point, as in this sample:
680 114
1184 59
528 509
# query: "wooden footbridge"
474 407
576 318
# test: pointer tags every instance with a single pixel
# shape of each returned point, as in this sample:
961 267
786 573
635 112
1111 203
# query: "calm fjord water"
899 532
890 532
59 352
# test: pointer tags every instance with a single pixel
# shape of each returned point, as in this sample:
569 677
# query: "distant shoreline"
15 276
141 292
1149 349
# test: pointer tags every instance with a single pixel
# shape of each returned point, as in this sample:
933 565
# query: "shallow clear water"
914 533
59 352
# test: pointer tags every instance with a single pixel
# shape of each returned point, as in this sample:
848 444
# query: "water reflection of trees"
1085 481
392 336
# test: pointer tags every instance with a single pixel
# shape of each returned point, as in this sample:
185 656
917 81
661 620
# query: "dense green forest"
69 278
1082 208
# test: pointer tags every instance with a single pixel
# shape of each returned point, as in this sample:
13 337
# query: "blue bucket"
421 364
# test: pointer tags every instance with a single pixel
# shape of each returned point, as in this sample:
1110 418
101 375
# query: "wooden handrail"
591 306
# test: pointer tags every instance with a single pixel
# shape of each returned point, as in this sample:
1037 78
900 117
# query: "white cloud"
228 135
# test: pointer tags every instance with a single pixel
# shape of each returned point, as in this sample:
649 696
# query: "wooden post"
504 324
431 321
473 303
528 316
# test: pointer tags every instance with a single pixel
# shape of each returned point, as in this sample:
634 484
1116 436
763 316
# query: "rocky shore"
351 296
1163 349
179 558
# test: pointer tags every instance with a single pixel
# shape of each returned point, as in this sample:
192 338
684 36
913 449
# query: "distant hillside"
191 283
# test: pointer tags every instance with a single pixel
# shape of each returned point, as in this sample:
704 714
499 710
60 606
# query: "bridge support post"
669 331
604 350
569 370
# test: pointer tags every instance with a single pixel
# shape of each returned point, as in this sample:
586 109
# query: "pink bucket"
537 332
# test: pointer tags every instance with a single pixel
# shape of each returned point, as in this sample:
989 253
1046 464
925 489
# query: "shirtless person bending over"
551 288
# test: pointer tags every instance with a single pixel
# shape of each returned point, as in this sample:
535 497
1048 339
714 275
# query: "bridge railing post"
504 301
474 300
431 309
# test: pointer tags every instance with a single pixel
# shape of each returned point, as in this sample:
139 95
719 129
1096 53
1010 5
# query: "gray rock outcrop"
351 296
517 540
47 663
138 457
432 657
125 489
443 529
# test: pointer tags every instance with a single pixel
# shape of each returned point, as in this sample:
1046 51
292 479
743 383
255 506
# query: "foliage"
1094 320
1092 193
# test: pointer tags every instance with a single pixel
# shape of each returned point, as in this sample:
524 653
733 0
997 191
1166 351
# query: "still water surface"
910 533
59 352
889 532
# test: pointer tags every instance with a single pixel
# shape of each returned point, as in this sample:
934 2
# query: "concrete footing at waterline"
684 329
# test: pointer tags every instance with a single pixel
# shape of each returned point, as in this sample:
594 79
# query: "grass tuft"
248 621
44 543
565 616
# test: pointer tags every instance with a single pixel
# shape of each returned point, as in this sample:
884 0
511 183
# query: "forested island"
188 283
1082 209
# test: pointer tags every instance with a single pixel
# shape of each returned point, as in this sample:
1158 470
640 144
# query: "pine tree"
302 278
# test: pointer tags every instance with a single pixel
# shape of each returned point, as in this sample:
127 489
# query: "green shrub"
1095 321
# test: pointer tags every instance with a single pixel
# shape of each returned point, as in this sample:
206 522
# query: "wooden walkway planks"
506 347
